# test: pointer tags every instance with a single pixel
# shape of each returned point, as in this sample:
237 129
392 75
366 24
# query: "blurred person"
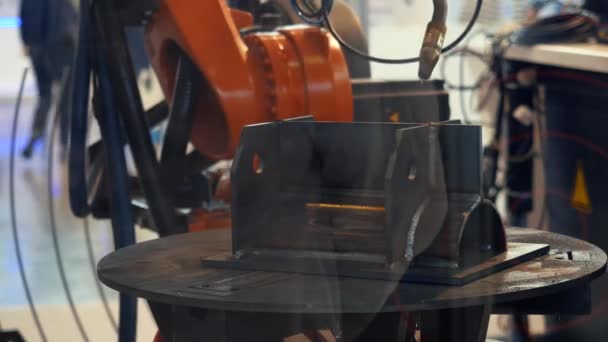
48 31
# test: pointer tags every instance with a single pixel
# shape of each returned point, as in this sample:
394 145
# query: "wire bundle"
570 27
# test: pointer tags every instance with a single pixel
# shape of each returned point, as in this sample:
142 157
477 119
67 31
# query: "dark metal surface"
573 301
330 265
169 271
363 199
307 165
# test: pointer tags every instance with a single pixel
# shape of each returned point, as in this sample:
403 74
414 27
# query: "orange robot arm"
260 77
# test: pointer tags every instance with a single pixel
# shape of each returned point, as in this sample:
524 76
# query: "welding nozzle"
431 49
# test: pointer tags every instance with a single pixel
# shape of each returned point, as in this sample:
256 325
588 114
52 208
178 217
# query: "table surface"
169 270
578 56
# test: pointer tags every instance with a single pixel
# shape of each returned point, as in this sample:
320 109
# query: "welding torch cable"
93 266
321 17
17 243
52 218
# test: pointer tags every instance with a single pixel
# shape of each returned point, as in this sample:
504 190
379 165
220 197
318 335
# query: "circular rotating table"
189 301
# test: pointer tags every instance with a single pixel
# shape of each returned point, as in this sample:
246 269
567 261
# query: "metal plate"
517 253
165 270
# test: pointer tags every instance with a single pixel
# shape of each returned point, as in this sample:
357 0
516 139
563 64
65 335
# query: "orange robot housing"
250 78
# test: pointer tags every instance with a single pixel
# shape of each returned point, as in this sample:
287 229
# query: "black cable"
93 267
120 204
324 11
78 117
26 287
53 223
124 90
93 264
179 125
569 27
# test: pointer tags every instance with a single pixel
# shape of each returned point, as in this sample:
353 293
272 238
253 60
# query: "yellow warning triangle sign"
580 196
394 117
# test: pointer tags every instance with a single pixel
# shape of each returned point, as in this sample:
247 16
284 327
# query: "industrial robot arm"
261 77
244 76
257 77
216 76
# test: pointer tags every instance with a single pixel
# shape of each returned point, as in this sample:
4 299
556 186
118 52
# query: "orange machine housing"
249 78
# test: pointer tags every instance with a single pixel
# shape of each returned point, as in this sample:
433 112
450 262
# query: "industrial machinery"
223 69
255 74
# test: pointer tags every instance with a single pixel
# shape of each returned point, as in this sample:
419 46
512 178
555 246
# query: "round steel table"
168 273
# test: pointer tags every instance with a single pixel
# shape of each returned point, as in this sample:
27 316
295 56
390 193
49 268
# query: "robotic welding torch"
433 40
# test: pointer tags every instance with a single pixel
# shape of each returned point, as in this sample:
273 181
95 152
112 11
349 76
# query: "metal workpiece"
372 200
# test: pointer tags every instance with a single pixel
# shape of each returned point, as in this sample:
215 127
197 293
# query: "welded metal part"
362 199
415 192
